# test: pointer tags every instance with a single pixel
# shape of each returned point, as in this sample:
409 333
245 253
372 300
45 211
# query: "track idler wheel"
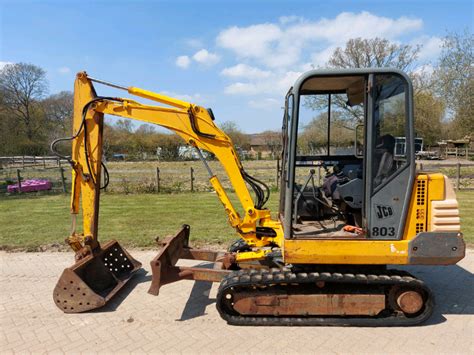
409 300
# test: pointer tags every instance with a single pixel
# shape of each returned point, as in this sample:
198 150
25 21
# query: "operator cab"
341 177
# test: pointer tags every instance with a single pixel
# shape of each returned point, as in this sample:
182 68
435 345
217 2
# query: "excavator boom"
324 260
112 263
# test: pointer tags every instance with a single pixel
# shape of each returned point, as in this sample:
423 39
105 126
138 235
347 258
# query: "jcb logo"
383 211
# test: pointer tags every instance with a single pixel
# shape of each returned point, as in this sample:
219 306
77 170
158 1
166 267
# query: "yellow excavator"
351 203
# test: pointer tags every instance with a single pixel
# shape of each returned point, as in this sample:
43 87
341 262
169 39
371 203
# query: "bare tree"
240 139
376 52
364 53
23 86
456 80
59 109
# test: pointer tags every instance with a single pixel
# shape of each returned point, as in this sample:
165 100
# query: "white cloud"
183 61
349 25
321 57
64 70
277 83
245 71
431 47
281 45
205 57
251 41
193 98
275 54
2 64
241 88
194 43
288 19
266 104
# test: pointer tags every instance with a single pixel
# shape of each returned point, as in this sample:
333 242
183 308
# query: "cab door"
388 177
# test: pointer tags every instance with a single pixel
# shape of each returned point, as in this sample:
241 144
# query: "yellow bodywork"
430 191
179 118
433 206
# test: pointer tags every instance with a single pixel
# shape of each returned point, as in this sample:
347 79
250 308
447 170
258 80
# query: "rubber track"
254 277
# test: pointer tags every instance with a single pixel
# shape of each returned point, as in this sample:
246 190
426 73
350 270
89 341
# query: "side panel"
387 207
311 251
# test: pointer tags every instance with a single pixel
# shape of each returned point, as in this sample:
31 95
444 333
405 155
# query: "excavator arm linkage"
100 271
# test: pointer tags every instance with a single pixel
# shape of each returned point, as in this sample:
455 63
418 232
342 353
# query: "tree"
364 53
313 139
455 79
374 53
169 146
429 111
378 52
23 86
239 139
58 109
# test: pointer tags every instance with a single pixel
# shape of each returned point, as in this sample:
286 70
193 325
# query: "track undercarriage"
284 297
255 294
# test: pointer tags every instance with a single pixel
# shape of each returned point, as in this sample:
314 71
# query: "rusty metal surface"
165 271
256 303
92 281
410 302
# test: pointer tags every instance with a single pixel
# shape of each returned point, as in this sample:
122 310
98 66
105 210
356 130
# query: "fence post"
157 179
192 179
34 160
278 171
23 162
44 162
458 175
63 180
19 179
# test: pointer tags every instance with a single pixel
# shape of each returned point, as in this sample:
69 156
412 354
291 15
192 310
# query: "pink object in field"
31 185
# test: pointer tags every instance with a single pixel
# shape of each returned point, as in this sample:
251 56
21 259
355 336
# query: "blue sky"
239 58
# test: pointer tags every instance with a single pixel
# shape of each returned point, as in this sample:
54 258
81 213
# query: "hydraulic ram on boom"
196 126
324 259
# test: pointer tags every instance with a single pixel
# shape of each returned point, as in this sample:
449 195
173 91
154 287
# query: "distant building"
265 145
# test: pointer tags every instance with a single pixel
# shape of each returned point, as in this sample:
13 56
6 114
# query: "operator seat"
384 149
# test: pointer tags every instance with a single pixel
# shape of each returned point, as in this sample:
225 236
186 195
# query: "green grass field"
28 222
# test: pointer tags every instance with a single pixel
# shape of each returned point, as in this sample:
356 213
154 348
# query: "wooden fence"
159 177
31 161
458 176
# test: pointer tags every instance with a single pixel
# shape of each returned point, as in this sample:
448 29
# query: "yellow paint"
313 251
251 255
177 118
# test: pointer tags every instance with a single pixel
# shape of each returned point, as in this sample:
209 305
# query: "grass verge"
29 222
135 220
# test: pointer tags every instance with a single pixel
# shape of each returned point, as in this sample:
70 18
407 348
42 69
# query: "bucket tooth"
92 281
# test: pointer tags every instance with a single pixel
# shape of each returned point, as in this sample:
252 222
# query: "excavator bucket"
92 281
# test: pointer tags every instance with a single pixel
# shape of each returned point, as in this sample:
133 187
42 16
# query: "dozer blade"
92 281
174 248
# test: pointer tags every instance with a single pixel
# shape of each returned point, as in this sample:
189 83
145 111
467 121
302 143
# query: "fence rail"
31 161
159 177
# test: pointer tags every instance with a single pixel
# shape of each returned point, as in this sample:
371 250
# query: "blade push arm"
191 122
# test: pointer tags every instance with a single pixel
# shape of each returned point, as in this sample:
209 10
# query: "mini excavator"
351 203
